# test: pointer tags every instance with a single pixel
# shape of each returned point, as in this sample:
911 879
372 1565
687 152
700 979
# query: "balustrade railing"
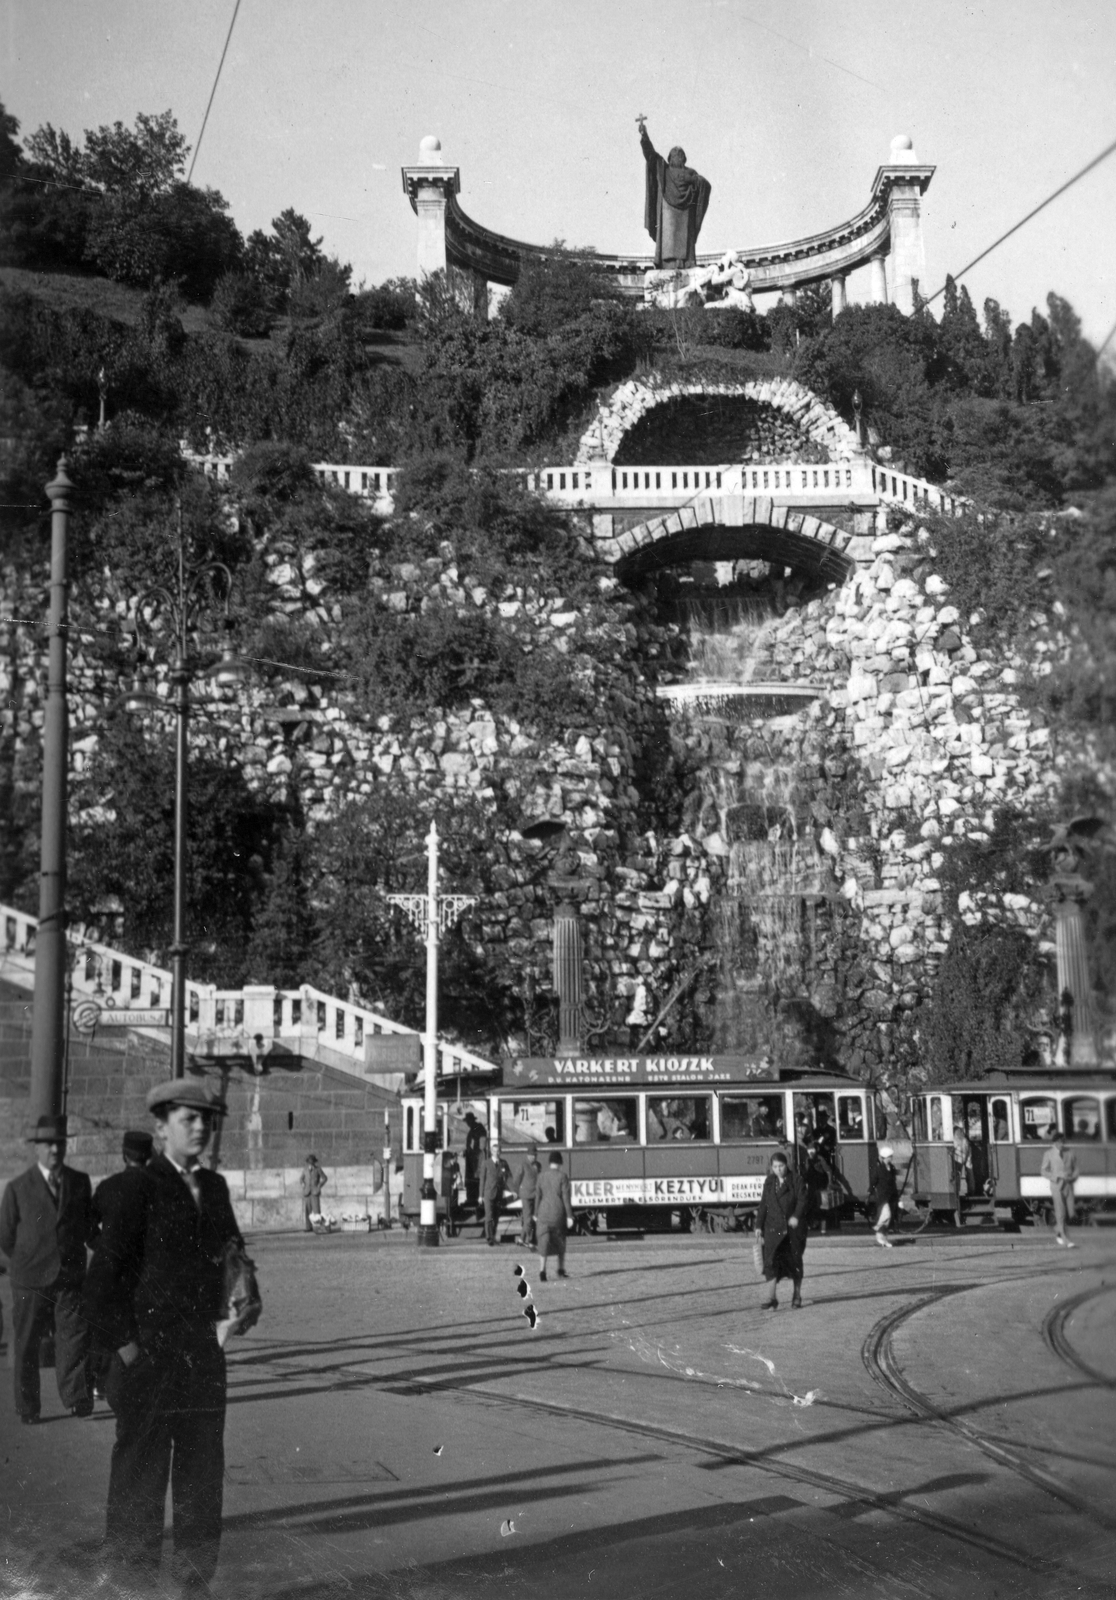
215 1018
601 485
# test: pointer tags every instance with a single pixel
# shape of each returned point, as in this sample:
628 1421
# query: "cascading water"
761 829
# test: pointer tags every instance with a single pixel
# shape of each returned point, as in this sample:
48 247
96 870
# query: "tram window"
606 1121
466 1120
967 1116
1110 1117
937 1124
921 1121
850 1117
680 1118
1039 1116
1082 1115
532 1121
1000 1120
410 1140
814 1118
754 1116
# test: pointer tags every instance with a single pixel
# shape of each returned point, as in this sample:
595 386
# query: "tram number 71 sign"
730 1190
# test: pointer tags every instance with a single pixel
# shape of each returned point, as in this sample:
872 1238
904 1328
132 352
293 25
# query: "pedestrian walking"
553 1214
780 1222
155 1297
137 1150
490 1179
885 1195
45 1221
526 1185
1059 1168
311 1181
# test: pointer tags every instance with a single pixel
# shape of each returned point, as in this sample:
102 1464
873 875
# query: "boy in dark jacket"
154 1296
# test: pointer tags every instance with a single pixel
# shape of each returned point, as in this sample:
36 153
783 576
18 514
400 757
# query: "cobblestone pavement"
938 1420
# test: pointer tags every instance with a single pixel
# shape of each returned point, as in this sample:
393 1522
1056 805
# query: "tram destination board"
578 1071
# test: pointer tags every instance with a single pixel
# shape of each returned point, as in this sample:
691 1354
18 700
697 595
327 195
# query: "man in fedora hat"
45 1220
154 1296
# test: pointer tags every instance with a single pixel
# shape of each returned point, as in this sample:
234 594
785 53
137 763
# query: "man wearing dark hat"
137 1149
154 1297
526 1185
44 1224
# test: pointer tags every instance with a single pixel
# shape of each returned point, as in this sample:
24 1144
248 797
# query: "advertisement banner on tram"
537 1071
736 1189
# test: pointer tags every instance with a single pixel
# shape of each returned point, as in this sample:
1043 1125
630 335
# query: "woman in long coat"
781 1224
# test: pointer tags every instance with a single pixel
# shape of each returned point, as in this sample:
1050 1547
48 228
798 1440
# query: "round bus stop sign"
86 1015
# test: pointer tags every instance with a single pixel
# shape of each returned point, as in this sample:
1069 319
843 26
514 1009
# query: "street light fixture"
198 591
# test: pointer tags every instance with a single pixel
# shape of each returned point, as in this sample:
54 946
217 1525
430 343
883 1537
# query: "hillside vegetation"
115 274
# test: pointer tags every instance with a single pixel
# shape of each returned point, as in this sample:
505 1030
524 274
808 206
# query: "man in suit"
44 1224
155 1298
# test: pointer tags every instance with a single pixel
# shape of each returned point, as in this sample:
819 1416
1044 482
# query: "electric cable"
213 91
957 276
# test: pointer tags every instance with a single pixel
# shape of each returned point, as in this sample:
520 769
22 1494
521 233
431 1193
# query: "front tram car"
655 1141
979 1145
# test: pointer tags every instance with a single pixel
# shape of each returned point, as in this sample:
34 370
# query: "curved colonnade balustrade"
885 235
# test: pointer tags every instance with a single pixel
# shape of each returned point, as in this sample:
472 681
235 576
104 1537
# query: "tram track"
766 1461
881 1361
1057 1338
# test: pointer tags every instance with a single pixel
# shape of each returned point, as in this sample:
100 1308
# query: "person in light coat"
1059 1168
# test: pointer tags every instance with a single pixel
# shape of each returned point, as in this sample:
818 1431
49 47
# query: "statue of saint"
677 198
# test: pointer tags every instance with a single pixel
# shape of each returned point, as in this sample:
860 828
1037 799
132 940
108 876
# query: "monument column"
1068 893
902 183
429 186
837 290
878 281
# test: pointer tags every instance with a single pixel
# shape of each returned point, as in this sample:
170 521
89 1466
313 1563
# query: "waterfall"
773 872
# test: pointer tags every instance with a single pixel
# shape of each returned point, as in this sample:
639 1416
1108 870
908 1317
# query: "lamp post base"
427 1237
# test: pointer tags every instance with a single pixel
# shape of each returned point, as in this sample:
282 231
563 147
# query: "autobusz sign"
629 1071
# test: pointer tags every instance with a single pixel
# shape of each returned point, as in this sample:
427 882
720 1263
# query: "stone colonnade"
886 236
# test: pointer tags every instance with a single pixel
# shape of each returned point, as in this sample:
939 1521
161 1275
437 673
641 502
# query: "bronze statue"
677 198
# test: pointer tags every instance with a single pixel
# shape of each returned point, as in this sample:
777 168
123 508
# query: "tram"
652 1142
1004 1122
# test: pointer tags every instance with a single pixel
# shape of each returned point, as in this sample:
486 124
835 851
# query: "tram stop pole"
430 913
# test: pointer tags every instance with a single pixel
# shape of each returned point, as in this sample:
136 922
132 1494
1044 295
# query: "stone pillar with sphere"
429 185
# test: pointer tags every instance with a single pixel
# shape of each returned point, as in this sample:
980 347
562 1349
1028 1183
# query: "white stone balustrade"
605 487
218 1021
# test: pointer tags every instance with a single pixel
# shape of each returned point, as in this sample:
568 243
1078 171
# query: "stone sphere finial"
902 150
430 151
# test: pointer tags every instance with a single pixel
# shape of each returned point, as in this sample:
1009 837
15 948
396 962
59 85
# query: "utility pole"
431 914
48 1015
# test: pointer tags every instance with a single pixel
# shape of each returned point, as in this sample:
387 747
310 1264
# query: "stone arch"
819 422
731 528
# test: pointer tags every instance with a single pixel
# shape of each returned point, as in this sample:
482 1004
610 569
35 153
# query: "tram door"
970 1115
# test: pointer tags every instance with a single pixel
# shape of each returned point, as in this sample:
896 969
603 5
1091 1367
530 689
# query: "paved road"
939 1420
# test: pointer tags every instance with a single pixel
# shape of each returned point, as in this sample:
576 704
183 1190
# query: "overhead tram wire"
213 91
957 276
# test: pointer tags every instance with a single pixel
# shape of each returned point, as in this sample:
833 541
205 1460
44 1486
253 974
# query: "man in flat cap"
154 1297
44 1225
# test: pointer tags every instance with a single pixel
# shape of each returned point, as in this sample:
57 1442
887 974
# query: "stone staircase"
274 1119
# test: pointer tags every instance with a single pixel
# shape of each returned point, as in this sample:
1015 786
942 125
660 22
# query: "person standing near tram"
1059 1168
781 1224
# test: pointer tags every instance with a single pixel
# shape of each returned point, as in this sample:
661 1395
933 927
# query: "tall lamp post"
49 1006
431 913
198 591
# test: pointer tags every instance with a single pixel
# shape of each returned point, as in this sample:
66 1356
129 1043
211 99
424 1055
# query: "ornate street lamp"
199 591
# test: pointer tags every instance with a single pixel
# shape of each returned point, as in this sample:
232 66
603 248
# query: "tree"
11 156
137 163
286 256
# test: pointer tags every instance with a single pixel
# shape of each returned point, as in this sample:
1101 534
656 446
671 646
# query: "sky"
788 107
